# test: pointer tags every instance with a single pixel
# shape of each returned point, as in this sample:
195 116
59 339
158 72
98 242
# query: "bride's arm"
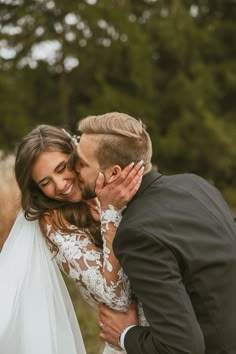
95 271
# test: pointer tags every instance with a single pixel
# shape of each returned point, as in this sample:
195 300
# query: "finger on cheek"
130 166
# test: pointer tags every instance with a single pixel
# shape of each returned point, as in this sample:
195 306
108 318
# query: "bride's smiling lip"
69 190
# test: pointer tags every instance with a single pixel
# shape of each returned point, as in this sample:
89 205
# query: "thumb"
99 183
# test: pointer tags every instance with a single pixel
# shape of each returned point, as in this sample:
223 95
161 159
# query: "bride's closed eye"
62 168
44 183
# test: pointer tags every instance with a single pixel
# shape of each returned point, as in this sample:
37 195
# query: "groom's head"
108 143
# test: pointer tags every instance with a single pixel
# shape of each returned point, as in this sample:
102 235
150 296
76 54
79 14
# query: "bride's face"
54 178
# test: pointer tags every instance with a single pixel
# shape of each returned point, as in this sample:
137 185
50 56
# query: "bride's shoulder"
53 226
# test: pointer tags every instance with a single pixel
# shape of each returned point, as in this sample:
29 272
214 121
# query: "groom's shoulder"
185 182
157 182
183 178
171 190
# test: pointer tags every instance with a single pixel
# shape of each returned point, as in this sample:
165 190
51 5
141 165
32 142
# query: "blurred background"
170 63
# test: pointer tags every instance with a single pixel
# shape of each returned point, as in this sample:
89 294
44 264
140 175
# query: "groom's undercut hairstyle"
121 139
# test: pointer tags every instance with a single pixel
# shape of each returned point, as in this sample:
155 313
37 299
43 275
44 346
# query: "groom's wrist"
121 339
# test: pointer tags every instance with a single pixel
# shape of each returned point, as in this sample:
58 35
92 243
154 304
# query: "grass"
230 196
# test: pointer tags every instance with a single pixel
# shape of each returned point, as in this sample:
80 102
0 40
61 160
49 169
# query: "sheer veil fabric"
36 312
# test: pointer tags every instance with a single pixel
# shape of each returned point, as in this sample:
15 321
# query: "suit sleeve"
156 280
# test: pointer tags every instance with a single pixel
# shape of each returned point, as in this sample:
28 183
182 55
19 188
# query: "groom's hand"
113 322
120 191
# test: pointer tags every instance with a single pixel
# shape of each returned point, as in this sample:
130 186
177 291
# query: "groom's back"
189 217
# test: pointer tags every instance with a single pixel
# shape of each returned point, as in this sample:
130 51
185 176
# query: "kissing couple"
155 253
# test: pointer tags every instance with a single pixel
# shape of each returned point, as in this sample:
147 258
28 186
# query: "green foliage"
171 63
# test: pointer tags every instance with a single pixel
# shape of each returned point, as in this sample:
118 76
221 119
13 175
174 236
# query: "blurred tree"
80 49
193 55
14 121
171 63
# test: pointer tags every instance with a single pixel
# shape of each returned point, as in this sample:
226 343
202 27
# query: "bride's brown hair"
46 138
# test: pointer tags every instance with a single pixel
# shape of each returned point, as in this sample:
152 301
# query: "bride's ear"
114 173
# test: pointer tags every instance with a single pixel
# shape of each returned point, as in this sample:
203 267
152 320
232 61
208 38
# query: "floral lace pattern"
85 265
110 215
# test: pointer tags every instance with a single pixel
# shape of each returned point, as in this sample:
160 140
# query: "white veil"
36 312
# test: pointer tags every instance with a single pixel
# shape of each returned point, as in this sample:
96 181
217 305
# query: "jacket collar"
147 179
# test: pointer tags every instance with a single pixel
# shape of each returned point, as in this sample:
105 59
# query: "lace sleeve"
94 271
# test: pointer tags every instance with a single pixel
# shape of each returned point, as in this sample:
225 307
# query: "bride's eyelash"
44 184
62 168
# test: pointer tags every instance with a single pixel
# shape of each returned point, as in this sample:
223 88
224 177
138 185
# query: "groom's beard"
88 192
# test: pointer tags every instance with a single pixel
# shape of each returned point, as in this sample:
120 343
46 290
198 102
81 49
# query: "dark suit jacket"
177 244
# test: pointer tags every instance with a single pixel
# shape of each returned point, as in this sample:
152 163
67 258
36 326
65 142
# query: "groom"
176 243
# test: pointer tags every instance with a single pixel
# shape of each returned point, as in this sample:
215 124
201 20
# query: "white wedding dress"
36 313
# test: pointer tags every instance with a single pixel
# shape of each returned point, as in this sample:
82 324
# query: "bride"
36 308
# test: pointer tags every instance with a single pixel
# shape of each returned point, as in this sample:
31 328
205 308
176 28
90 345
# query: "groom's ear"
113 173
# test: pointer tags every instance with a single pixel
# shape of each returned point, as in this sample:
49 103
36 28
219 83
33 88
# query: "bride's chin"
76 197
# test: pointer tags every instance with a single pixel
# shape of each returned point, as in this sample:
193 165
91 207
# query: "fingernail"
141 162
142 169
132 164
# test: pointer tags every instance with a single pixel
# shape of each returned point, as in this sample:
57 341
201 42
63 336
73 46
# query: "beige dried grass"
9 196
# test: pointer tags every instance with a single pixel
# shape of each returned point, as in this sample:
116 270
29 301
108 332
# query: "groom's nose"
77 166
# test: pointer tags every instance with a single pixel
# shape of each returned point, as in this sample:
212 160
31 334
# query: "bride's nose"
60 184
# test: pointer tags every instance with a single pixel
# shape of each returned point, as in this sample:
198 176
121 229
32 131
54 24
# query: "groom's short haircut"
121 139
